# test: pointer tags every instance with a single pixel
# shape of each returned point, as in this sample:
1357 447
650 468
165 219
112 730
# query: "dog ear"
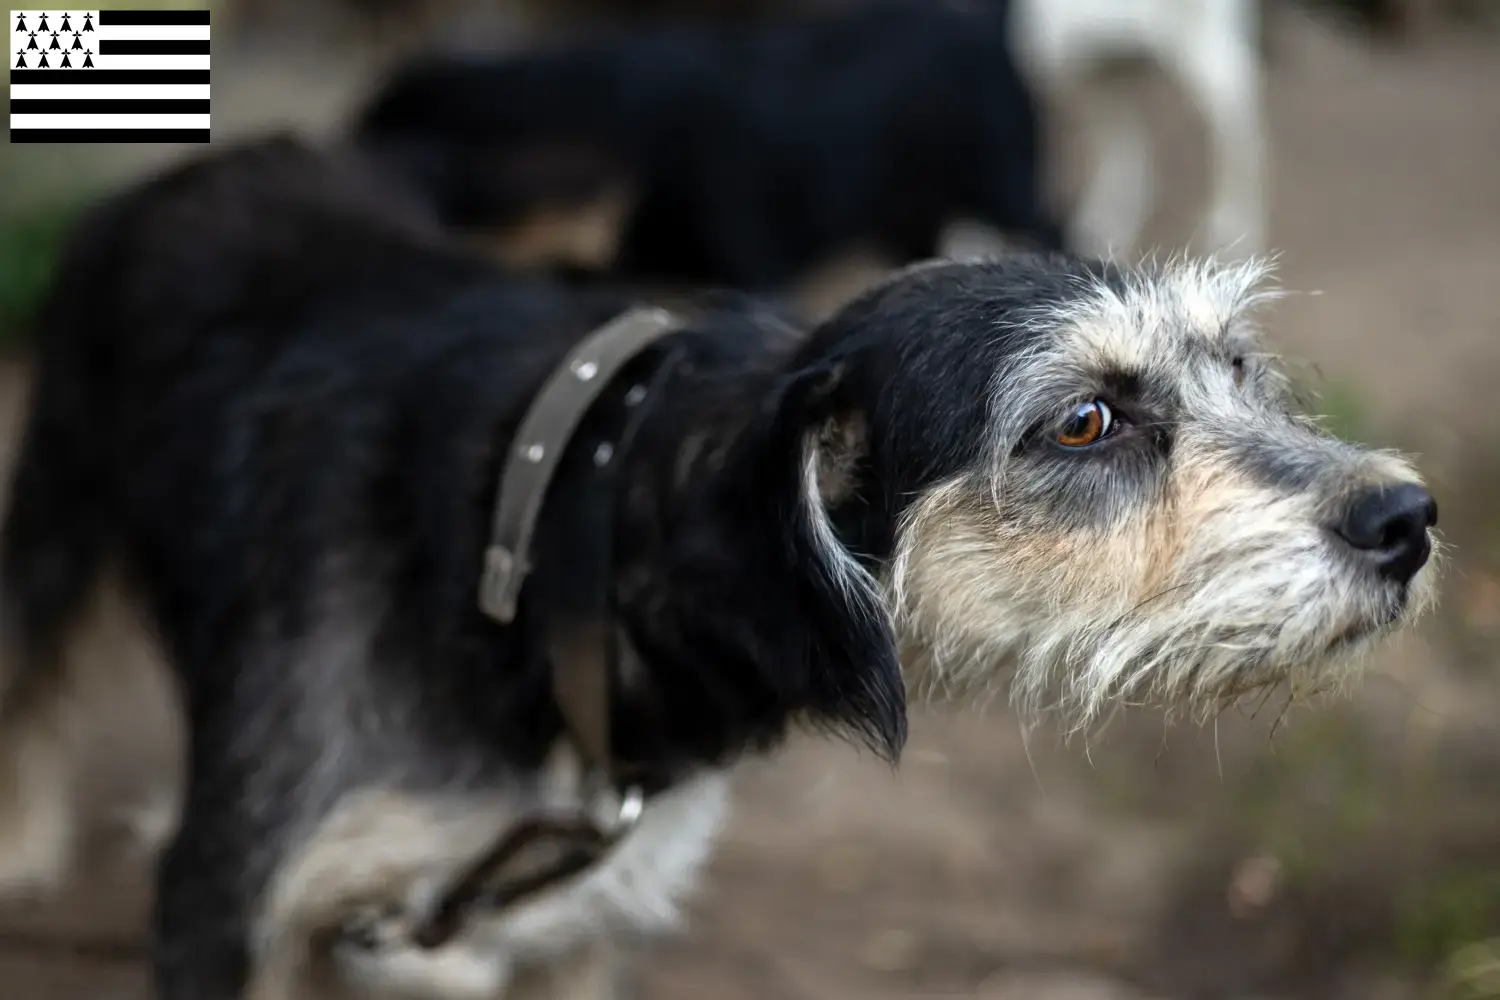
758 614
838 611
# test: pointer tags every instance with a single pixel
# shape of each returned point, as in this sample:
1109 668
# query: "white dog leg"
1121 189
1222 77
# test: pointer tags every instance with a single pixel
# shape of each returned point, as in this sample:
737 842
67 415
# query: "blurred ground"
1353 854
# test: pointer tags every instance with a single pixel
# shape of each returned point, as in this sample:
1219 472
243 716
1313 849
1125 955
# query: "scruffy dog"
275 412
734 155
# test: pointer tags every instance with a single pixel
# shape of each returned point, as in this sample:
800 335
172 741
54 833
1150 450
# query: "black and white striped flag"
109 76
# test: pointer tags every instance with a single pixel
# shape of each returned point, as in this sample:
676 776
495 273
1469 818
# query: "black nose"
1388 525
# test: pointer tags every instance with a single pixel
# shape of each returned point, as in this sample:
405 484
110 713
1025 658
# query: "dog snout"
1387 525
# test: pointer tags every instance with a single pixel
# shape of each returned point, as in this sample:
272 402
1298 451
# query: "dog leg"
1222 79
108 675
38 809
200 924
214 874
1121 189
1014 197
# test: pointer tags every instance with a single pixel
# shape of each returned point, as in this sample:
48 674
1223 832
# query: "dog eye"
1089 424
1238 364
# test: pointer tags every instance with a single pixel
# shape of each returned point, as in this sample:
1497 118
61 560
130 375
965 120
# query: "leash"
582 637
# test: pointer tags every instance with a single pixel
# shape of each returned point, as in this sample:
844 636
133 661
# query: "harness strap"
543 436
581 632
581 635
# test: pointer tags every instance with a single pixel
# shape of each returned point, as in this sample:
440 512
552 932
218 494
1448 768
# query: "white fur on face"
1209 579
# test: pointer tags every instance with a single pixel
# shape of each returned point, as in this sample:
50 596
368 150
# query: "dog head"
1091 481
1097 482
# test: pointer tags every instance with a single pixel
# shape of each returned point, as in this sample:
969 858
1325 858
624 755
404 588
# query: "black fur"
755 152
276 402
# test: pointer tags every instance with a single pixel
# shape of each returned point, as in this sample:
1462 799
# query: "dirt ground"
1351 853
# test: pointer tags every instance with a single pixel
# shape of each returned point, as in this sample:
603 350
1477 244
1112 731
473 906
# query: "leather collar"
584 640
581 636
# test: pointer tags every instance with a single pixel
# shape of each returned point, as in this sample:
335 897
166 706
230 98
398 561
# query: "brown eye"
1239 370
1090 423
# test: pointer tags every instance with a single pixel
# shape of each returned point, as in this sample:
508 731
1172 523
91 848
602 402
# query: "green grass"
1327 794
1471 973
1442 914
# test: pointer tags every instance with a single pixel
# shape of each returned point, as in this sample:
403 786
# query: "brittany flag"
109 76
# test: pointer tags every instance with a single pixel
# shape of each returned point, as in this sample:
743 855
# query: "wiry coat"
282 409
276 406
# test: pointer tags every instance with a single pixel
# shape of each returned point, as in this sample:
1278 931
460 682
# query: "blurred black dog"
275 411
748 153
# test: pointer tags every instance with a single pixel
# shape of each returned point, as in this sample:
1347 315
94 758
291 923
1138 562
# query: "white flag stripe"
109 92
147 32
108 121
139 62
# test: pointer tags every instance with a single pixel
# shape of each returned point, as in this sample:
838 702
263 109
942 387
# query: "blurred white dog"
1210 49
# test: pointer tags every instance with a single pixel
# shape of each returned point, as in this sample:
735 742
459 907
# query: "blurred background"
1346 853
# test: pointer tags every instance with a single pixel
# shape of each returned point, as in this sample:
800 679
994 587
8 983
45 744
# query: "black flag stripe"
110 76
107 106
109 135
107 17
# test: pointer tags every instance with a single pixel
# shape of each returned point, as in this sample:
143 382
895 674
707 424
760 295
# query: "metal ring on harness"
582 652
